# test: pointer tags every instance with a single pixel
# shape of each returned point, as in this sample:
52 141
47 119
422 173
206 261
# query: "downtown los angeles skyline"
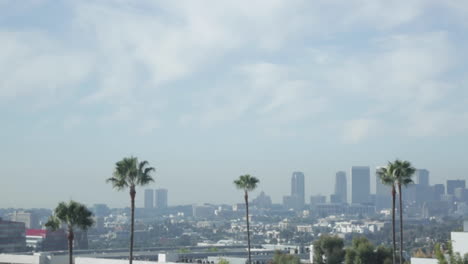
208 92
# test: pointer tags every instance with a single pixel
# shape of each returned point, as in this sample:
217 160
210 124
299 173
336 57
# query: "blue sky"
209 91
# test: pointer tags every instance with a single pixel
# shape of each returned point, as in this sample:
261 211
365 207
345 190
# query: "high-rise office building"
382 193
438 190
161 198
149 199
341 194
298 189
454 184
380 188
461 194
360 184
422 177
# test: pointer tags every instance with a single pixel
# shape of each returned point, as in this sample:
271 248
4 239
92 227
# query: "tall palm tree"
129 173
403 172
247 183
73 215
386 176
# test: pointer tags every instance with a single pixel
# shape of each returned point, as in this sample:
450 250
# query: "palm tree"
403 172
73 215
129 173
386 176
247 183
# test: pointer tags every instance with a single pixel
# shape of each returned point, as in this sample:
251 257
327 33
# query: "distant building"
422 177
298 189
262 201
161 198
30 219
454 184
12 236
203 211
317 199
461 194
288 202
382 193
341 186
334 198
438 190
100 210
149 199
437 208
360 184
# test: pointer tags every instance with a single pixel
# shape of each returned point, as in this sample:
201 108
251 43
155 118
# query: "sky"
206 91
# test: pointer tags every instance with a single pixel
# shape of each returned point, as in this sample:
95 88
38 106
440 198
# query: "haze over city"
207 92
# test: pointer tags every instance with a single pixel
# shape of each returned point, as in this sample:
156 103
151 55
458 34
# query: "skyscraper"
438 190
341 187
422 177
382 193
380 188
161 198
454 184
149 199
360 185
298 189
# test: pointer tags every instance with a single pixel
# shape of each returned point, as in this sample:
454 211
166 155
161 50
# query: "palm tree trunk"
393 224
246 197
71 236
401 224
132 224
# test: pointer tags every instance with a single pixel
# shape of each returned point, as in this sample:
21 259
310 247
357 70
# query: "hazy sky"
208 90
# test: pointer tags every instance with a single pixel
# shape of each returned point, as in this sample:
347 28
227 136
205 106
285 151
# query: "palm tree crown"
386 176
246 183
72 214
129 173
403 171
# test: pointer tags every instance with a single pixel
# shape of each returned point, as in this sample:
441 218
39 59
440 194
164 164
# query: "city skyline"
206 95
149 195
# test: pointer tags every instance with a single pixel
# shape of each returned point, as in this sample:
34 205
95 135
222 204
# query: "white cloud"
34 64
274 61
357 130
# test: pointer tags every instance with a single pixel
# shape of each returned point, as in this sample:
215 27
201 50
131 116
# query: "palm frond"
385 175
53 223
246 182
144 173
72 214
403 172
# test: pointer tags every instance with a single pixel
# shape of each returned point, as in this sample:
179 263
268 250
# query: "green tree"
129 173
247 183
403 171
282 258
387 177
73 215
362 251
223 261
329 250
383 255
